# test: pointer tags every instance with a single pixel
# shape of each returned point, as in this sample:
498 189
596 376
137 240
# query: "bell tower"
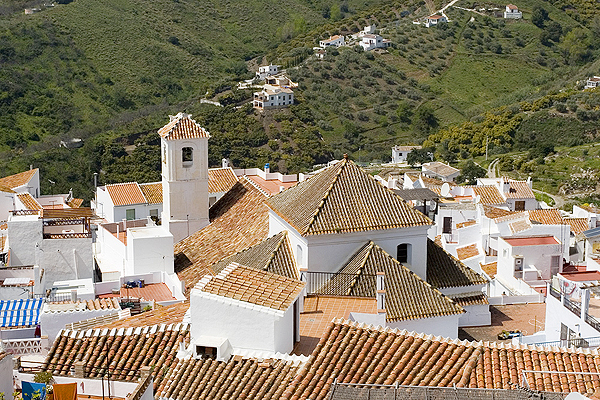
184 154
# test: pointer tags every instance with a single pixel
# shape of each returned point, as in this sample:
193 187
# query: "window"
447 227
403 253
554 265
154 214
130 214
519 206
187 156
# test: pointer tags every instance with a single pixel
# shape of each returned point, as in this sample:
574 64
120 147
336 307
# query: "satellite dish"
446 190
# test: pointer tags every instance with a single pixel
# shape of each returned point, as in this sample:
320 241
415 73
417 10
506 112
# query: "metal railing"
588 342
593 322
339 284
573 307
555 293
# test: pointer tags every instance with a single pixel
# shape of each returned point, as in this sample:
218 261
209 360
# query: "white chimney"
224 163
529 182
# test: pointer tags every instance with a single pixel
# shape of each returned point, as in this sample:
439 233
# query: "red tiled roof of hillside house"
221 179
273 255
239 219
512 7
531 241
578 225
434 17
488 194
519 190
152 192
171 314
150 291
182 126
127 350
343 198
445 271
358 353
467 251
29 202
238 378
548 216
407 295
123 194
16 180
252 285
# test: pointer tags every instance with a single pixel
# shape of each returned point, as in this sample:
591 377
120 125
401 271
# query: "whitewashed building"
335 41
129 201
512 12
372 41
435 19
267 70
439 170
399 153
273 97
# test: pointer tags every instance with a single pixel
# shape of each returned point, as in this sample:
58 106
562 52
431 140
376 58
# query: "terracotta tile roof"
123 194
592 208
239 219
221 179
16 180
549 216
273 255
253 286
343 198
172 314
68 213
29 202
578 225
75 203
125 351
407 295
239 378
519 190
440 168
152 192
406 148
467 251
150 291
488 194
515 215
97 304
271 186
491 268
466 223
495 212
182 126
444 270
357 353
519 226
471 299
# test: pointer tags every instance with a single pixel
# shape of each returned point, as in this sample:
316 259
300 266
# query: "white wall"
245 325
149 253
103 204
64 259
6 377
53 322
557 313
23 235
457 213
476 315
538 256
446 326
110 254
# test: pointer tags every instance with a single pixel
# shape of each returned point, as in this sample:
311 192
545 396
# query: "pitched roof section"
357 353
123 194
273 255
253 286
549 216
16 180
488 194
182 126
129 350
467 251
153 192
239 219
416 194
445 271
407 295
491 268
519 190
221 179
29 202
172 314
495 212
238 378
343 198
578 225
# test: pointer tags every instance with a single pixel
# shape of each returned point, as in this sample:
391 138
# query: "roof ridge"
343 164
256 186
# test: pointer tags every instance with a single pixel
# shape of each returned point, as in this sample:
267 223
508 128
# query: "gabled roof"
519 190
468 251
221 179
495 212
549 216
171 314
416 194
239 219
129 350
350 352
123 194
29 202
407 295
578 225
444 270
238 378
152 192
253 286
75 203
16 180
343 198
182 126
488 194
273 255
437 167
490 268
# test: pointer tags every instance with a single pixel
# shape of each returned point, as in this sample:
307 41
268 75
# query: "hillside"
109 72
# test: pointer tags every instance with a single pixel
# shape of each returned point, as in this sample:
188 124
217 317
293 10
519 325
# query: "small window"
130 214
519 206
403 253
187 156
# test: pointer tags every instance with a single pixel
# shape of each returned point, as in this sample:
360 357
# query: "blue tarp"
23 312
33 391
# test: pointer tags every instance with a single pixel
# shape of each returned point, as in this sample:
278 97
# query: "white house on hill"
592 82
433 20
399 153
336 41
512 12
